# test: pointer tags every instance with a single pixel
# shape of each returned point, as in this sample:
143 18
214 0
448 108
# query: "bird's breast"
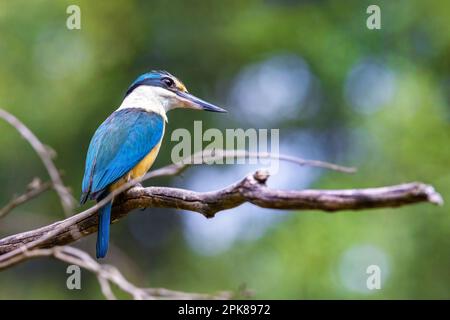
144 165
139 170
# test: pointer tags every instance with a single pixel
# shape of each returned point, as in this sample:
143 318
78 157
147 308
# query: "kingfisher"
126 144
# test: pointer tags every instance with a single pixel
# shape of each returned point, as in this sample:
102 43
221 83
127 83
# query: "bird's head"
166 89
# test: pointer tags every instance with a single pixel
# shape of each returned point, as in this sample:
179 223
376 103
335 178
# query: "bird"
126 144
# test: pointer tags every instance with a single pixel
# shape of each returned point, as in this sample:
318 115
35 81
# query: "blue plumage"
118 145
104 219
123 140
126 144
152 78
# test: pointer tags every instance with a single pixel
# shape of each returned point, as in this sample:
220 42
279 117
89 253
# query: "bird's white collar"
151 99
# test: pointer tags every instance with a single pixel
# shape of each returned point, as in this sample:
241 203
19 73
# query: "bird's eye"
168 82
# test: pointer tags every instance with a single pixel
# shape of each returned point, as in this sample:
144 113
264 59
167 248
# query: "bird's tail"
104 217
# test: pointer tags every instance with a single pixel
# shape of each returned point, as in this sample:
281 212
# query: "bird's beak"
192 102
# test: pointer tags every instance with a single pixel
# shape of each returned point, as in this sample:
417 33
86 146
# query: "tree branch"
211 156
34 189
251 189
107 275
44 153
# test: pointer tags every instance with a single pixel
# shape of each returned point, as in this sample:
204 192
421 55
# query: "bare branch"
210 156
204 156
251 189
67 201
34 189
107 275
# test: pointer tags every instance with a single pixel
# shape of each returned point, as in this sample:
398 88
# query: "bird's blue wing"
118 145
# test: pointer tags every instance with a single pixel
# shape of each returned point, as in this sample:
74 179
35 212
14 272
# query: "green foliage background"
64 83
